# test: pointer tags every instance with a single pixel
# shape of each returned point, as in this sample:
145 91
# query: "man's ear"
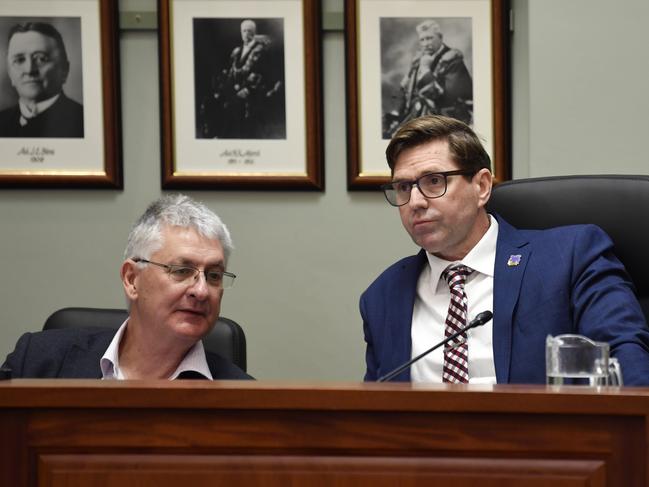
129 272
484 181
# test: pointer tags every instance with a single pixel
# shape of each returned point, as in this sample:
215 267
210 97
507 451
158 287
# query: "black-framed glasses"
431 185
184 273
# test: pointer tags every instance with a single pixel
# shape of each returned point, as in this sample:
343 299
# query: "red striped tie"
456 353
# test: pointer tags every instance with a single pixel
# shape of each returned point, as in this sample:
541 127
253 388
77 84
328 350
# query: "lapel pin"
514 260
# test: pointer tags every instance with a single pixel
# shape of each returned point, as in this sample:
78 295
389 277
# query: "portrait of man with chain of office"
239 78
426 69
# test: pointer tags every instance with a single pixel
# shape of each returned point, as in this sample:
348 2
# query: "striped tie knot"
455 275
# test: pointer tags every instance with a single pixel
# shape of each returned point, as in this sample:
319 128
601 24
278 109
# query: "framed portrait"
409 58
241 94
59 94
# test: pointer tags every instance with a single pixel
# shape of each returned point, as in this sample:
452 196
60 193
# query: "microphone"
479 320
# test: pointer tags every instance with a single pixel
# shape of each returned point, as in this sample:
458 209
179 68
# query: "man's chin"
431 245
192 323
192 331
31 96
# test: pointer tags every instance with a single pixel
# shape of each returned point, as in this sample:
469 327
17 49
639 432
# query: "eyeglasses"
183 273
432 185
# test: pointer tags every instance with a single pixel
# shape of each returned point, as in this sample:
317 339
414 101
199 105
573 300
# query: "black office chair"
226 338
618 204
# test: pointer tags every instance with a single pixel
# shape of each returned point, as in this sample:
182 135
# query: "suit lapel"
83 359
512 255
399 316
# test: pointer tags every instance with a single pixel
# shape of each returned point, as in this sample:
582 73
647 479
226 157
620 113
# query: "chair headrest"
619 204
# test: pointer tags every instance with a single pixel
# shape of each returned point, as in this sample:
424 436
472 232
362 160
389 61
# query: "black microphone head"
481 319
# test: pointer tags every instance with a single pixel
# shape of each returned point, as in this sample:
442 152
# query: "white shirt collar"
194 360
480 258
30 111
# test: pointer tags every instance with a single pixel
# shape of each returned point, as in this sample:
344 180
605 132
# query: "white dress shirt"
431 307
194 360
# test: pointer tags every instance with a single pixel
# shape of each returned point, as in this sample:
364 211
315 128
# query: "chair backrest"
226 338
619 204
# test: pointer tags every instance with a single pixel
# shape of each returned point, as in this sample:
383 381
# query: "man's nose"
28 65
199 288
417 198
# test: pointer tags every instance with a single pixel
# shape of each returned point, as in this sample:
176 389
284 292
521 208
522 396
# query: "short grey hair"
251 23
429 26
174 210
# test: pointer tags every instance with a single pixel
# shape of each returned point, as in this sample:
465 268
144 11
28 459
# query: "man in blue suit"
537 283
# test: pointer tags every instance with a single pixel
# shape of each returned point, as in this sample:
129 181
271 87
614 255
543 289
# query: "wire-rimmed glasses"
183 273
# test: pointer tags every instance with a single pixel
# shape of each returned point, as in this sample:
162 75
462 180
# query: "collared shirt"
431 307
27 112
194 360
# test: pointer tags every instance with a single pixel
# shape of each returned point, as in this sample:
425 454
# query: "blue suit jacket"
568 281
75 353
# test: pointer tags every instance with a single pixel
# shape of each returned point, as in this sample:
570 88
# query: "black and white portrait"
239 78
426 68
41 85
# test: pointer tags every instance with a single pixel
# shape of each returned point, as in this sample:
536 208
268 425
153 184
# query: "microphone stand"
479 320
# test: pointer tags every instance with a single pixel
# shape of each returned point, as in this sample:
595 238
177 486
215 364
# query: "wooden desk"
194 433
